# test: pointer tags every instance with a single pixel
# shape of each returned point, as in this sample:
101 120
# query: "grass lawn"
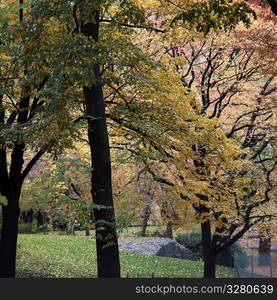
58 256
135 231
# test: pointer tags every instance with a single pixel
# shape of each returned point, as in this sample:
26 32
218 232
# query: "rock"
156 246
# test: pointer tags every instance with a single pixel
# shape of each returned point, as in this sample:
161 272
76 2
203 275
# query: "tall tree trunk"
209 255
45 226
168 232
106 235
10 214
225 258
70 228
167 220
264 246
9 232
146 217
11 184
87 231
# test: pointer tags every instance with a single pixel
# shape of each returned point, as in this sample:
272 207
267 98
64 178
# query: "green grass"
57 256
127 232
136 230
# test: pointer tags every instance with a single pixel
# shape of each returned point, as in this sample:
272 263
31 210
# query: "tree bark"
45 227
167 219
146 216
10 214
168 232
11 184
106 235
209 255
264 247
225 258
9 232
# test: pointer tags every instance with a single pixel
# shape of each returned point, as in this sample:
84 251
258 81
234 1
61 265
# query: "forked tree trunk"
106 235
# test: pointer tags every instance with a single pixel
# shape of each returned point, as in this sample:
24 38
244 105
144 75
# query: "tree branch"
31 163
135 26
273 5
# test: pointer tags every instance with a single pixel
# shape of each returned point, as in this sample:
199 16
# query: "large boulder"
156 246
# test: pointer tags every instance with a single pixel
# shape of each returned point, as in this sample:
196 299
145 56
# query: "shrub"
156 233
23 228
193 241
27 227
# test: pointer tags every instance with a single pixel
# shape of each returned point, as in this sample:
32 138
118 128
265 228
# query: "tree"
222 85
218 216
60 189
35 110
56 49
106 236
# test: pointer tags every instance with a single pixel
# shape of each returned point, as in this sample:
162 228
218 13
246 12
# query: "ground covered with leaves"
57 256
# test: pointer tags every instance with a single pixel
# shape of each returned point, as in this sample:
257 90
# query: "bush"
23 228
192 241
156 233
149 233
27 227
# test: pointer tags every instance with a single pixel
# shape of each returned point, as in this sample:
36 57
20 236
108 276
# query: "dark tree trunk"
209 255
167 219
106 235
224 255
44 220
29 216
168 232
10 214
225 258
264 247
11 184
146 217
9 232
39 218
273 5
70 229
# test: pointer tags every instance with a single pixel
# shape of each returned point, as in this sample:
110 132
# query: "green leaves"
215 15
3 200
128 12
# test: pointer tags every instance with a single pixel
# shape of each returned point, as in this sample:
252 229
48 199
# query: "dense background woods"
115 113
